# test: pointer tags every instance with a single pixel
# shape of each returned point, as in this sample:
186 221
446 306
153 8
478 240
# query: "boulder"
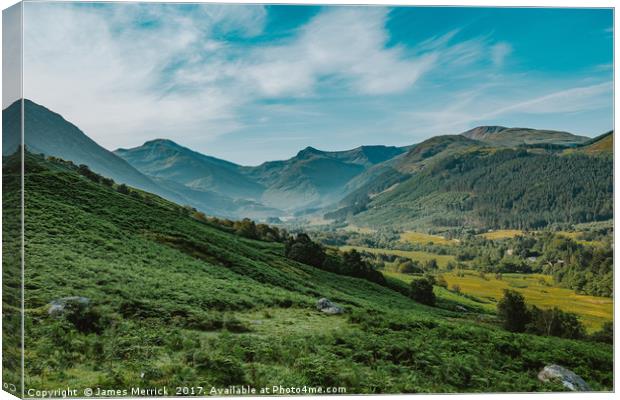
60 306
328 307
567 377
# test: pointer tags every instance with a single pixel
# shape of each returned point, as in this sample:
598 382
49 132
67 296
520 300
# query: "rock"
460 308
567 377
328 307
59 306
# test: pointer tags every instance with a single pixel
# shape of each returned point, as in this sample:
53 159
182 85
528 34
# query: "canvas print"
225 199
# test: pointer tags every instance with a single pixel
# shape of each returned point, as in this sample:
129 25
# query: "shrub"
605 335
224 370
513 311
555 322
122 188
421 290
304 250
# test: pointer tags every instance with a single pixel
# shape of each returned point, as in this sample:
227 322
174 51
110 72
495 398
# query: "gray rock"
59 306
328 307
461 308
567 377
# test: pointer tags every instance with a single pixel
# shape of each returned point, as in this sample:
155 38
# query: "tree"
513 311
409 267
431 264
421 290
555 322
246 228
122 188
304 250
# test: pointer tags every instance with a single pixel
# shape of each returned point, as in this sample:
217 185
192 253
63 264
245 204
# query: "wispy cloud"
128 72
475 107
499 52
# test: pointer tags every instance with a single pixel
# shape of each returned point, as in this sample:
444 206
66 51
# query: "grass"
423 238
536 288
178 302
358 229
576 236
421 256
502 234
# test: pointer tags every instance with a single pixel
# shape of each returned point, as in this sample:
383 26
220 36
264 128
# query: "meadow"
538 290
420 256
501 234
424 238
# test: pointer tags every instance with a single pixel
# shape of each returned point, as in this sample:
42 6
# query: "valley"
173 267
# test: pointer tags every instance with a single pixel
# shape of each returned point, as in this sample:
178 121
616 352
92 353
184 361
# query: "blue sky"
254 83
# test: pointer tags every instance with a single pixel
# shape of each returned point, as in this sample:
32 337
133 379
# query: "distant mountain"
490 187
600 145
488 177
388 175
312 178
166 159
511 137
315 178
49 133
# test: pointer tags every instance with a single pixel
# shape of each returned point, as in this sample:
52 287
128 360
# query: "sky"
251 83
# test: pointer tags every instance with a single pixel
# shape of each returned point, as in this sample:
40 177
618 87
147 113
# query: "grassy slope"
172 290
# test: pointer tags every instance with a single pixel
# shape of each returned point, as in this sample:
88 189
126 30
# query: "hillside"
496 189
174 300
599 146
49 133
512 137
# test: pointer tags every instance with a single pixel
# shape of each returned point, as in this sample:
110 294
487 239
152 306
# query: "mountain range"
445 181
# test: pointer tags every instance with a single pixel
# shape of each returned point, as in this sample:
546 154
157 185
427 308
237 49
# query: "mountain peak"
483 131
308 151
162 142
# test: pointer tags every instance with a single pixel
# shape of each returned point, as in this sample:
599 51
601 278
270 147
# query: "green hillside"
493 188
176 301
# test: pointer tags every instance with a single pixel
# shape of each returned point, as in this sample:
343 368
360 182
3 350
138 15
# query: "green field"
420 256
501 234
593 311
424 238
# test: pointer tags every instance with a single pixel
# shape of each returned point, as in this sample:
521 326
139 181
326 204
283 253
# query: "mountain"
315 178
511 137
388 175
312 178
165 159
489 187
173 299
49 133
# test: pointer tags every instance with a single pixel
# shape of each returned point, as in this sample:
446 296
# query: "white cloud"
475 107
499 52
130 72
106 69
